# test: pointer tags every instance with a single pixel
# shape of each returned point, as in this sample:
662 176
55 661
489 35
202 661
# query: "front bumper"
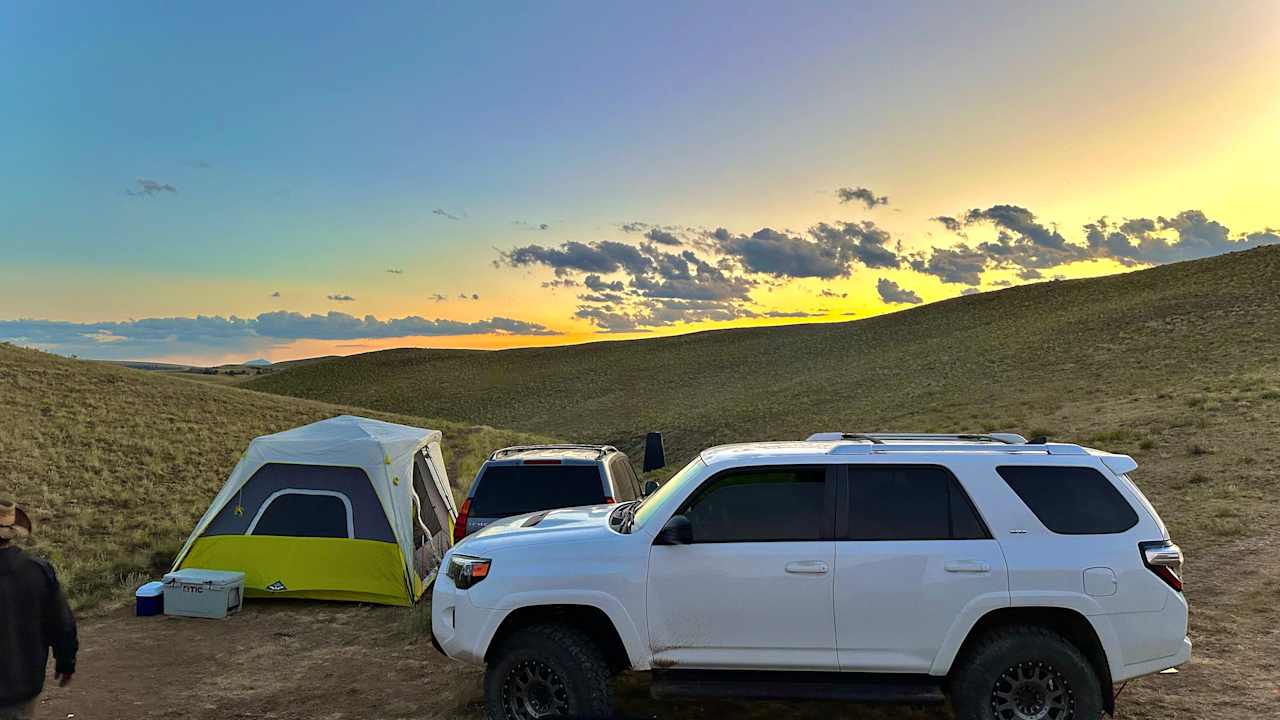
459 629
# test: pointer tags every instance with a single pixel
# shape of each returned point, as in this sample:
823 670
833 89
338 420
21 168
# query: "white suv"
1021 579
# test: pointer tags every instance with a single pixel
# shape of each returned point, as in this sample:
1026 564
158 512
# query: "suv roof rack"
600 449
879 438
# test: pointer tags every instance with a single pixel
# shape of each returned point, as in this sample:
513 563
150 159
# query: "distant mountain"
260 362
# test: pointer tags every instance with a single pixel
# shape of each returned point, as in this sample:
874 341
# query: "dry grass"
116 465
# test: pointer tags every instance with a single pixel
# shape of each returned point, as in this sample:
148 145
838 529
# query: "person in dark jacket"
34 617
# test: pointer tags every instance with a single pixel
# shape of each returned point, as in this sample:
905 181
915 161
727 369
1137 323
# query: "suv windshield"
646 507
505 490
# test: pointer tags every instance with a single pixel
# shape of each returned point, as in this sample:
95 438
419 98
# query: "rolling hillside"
116 465
1004 359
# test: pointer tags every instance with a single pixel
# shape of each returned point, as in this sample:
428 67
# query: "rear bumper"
1148 667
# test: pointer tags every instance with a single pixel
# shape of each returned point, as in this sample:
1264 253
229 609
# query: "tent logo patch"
276 586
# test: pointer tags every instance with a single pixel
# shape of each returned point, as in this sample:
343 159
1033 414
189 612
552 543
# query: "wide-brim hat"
14 523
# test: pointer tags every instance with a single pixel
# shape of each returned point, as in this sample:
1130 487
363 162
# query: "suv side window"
625 484
1071 500
759 505
910 502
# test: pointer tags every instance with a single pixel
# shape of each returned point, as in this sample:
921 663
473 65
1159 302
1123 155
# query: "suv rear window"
888 502
505 490
1071 500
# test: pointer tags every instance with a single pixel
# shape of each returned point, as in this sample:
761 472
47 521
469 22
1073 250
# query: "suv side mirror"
650 487
677 531
654 456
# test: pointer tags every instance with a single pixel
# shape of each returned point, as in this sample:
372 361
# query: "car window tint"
759 506
889 502
1071 500
504 490
299 515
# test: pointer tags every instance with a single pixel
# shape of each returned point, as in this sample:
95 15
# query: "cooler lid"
151 589
198 576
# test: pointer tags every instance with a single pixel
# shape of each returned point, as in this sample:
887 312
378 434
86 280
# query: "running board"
753 685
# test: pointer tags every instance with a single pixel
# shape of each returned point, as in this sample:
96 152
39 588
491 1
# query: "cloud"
861 195
472 296
791 314
685 276
970 291
1030 274
864 242
824 292
948 222
662 237
150 188
960 264
770 252
135 338
561 283
532 226
275 294
341 298
605 256
891 293
829 251
1189 235
445 214
395 271
594 282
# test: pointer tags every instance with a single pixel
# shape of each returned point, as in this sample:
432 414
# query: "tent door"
431 525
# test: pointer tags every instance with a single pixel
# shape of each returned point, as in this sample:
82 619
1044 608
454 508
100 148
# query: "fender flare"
633 641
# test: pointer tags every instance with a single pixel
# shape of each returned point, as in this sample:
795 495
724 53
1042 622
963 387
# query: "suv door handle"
966 566
807 567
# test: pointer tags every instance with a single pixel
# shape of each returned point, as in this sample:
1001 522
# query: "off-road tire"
552 657
979 687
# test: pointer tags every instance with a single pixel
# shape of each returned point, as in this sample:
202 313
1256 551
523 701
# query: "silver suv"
531 478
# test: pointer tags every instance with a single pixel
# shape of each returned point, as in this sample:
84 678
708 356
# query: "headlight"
466 571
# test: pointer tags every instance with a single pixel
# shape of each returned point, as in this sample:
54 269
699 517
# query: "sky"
216 183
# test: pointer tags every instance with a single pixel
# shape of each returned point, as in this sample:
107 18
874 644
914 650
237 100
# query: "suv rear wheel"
548 671
1025 673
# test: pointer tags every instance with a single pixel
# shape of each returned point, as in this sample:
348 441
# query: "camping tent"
342 509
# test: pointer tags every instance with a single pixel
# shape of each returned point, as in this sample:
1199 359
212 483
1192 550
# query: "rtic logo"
192 589
276 586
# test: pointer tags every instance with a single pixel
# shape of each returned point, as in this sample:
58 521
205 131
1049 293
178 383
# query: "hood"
565 525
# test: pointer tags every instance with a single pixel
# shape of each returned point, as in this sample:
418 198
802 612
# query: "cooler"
149 599
192 592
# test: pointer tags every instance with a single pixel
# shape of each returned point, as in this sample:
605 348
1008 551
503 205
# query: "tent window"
304 513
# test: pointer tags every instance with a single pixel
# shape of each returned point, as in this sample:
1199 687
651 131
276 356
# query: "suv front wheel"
548 671
1025 673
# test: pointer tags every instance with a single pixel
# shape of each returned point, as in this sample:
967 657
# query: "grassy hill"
116 465
1009 360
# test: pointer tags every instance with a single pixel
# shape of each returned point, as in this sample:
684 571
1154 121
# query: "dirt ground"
321 661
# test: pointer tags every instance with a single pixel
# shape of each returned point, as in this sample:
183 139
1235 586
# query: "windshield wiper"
628 516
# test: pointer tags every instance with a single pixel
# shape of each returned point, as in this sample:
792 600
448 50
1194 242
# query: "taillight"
1164 559
609 501
460 524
